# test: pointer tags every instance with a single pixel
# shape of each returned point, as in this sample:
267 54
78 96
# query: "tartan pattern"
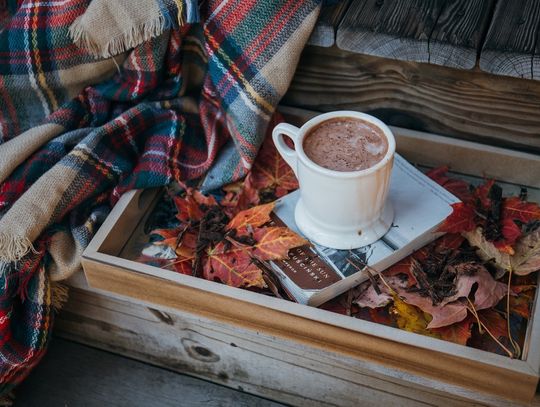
195 96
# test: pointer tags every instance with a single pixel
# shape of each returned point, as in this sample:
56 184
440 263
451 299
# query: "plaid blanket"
102 97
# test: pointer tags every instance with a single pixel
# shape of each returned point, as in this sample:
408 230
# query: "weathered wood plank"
398 29
457 37
324 32
242 359
472 105
511 40
75 375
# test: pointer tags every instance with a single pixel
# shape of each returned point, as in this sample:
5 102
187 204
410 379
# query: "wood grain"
242 359
471 105
324 32
76 375
457 36
398 29
463 157
511 40
457 374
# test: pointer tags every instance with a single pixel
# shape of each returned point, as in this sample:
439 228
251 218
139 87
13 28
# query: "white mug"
336 209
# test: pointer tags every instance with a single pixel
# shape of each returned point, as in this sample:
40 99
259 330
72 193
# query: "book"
314 274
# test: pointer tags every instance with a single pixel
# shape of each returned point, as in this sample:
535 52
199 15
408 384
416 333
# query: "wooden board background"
471 105
496 36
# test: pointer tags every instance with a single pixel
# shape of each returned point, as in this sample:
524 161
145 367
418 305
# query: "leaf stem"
481 324
515 345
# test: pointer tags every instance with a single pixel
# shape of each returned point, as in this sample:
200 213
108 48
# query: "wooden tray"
406 358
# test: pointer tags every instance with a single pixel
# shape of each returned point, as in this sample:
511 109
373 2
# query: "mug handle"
289 155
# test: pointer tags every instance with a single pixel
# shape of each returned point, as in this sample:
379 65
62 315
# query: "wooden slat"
511 40
471 105
473 160
324 32
252 361
457 36
398 29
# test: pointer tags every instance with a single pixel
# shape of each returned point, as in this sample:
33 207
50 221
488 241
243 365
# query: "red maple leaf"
455 186
511 233
271 171
523 211
462 219
188 209
232 267
449 241
481 193
460 332
270 178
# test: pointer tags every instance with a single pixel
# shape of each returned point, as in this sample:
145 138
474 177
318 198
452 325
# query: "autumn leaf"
239 196
511 233
410 318
182 265
527 254
367 296
521 302
170 237
253 217
184 247
275 242
234 268
450 241
270 178
403 267
481 193
271 171
442 315
488 252
459 333
494 322
462 219
381 316
188 209
453 185
523 211
488 293
202 199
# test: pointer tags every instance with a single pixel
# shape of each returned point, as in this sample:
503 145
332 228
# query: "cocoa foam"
345 144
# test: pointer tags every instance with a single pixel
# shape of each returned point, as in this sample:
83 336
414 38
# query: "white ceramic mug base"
344 239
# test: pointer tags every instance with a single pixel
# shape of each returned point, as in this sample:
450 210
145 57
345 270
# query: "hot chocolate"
345 144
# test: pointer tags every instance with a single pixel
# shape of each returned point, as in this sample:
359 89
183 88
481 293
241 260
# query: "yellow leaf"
410 318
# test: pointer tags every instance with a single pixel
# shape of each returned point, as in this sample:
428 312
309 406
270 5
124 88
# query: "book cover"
314 274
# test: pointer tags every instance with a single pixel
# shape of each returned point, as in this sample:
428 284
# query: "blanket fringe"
59 294
81 35
13 248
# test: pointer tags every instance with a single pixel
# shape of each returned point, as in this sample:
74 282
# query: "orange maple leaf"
233 267
275 242
254 217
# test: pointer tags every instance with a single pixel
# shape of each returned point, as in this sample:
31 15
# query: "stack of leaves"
230 242
449 289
